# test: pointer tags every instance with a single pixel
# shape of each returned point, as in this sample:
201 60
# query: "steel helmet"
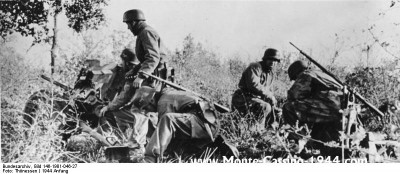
133 15
271 54
128 55
296 68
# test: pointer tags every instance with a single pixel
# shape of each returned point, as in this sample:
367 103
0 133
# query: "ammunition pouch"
165 72
162 71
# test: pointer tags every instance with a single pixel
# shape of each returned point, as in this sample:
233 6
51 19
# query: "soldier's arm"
301 88
152 53
123 97
253 75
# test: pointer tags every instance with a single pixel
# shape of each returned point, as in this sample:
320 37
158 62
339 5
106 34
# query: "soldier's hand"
138 82
130 75
103 111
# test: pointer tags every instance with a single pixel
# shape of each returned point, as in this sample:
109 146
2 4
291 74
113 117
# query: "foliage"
194 65
197 68
23 17
30 18
19 143
83 15
200 70
18 80
375 83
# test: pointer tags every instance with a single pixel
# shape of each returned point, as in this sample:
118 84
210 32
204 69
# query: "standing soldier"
254 94
149 48
314 99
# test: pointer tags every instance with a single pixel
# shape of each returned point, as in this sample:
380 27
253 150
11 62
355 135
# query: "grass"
197 69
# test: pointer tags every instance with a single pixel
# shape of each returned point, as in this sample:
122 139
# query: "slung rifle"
356 94
218 107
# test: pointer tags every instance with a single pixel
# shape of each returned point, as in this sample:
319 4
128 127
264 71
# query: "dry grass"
198 69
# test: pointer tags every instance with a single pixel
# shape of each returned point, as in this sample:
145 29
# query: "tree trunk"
54 47
54 50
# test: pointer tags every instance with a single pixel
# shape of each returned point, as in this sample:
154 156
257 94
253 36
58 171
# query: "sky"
247 28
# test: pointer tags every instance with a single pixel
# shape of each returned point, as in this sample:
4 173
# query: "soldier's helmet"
128 55
144 97
133 15
272 54
296 68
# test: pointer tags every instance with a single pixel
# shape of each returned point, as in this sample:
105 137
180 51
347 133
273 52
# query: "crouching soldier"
255 94
315 100
182 118
134 125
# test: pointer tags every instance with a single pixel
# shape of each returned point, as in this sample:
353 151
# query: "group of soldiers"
314 97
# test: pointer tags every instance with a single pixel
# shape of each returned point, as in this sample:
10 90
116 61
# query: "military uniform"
179 119
134 125
151 53
254 92
314 97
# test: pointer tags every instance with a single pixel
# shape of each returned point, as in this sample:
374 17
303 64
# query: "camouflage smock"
315 94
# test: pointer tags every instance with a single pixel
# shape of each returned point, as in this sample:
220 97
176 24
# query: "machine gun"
356 94
218 107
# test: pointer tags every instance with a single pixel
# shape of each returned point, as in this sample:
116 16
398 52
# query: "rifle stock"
356 94
219 107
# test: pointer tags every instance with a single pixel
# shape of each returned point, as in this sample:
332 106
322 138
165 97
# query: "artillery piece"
75 108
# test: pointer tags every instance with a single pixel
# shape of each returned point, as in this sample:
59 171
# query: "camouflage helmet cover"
133 15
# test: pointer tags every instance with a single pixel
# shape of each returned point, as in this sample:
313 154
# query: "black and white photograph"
198 81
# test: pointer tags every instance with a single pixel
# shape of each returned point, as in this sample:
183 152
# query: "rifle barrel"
358 96
176 86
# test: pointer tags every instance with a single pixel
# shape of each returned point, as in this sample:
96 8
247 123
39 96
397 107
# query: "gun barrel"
176 86
357 95
65 87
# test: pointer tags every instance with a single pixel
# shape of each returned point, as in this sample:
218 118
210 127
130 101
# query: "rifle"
356 94
65 87
219 107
